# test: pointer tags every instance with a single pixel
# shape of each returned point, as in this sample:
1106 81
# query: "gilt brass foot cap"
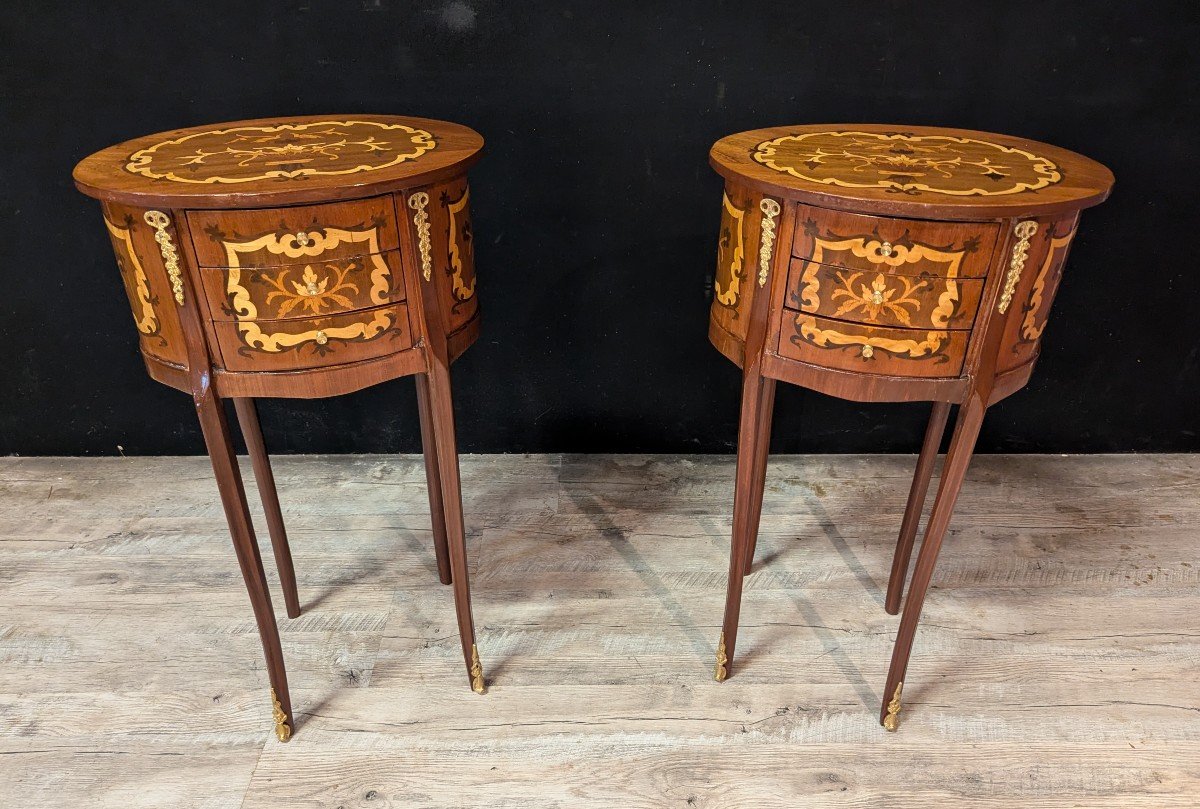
283 727
892 720
722 670
477 684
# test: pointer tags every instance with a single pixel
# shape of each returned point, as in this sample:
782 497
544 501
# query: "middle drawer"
879 298
315 289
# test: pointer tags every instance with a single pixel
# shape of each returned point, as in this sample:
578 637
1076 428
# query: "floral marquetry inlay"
244 154
907 163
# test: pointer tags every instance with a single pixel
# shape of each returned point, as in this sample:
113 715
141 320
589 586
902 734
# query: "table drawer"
903 246
314 289
286 345
872 350
272 237
878 298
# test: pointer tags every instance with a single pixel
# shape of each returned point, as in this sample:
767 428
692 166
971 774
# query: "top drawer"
272 237
901 246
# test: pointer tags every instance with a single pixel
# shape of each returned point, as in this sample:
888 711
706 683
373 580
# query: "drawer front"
878 298
272 237
286 345
873 350
902 246
314 289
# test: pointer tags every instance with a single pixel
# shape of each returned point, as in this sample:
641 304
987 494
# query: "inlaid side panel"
1034 291
734 273
155 311
440 220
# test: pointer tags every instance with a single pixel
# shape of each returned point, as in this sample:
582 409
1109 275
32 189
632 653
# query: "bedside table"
886 264
301 257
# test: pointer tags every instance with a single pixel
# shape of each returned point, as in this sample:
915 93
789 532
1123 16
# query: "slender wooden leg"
441 412
247 414
761 448
916 504
433 481
750 446
962 445
233 497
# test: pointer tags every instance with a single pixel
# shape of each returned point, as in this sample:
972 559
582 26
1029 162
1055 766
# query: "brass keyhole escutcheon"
322 338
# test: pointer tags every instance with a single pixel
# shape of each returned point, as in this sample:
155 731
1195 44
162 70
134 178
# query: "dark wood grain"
264 477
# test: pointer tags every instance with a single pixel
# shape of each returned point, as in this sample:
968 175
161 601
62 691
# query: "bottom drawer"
870 349
288 345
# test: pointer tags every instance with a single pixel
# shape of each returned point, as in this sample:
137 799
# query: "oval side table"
886 264
301 257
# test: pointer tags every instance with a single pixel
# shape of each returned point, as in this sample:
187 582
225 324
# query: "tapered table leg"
962 445
247 414
916 504
762 447
433 480
233 497
756 395
441 415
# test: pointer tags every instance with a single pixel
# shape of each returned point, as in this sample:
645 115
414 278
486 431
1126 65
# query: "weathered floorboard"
1058 663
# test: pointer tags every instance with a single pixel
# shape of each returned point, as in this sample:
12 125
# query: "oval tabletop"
278 161
916 171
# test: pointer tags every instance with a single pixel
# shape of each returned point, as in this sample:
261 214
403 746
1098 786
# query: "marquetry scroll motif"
731 255
170 254
137 285
460 246
766 240
912 284
1016 264
1045 284
243 154
905 163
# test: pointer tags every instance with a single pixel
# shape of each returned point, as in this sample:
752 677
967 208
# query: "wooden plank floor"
1058 663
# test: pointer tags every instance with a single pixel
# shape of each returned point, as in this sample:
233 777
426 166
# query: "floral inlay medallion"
244 154
908 164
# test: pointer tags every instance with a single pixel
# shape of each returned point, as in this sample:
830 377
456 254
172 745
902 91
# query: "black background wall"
595 210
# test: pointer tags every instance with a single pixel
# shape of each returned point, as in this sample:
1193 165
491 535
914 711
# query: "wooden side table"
886 264
301 257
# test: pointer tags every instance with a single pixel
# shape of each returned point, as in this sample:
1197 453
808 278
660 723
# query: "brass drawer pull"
160 222
418 202
302 239
868 352
321 338
1020 254
885 249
